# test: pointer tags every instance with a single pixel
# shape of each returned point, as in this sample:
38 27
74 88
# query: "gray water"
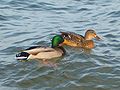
25 23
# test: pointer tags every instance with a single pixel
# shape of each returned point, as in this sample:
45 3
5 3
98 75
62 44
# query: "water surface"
25 23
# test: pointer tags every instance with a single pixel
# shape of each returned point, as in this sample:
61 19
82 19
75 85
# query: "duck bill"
61 44
97 37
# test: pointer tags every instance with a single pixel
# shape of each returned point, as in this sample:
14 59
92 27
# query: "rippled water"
25 23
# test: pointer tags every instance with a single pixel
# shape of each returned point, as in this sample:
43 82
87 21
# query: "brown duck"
76 40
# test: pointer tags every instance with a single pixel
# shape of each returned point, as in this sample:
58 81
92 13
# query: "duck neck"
60 48
87 36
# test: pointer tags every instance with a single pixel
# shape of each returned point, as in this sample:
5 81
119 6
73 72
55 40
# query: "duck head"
90 34
57 41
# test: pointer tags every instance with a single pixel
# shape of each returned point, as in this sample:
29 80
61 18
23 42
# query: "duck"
77 40
43 53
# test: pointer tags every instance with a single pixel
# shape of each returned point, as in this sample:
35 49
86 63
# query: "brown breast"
89 44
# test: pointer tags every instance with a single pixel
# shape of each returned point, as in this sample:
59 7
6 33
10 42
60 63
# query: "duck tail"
22 56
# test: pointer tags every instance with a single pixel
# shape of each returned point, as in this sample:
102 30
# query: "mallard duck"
76 40
44 53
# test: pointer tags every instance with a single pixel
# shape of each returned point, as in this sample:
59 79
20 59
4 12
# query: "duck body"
88 44
40 53
76 40
72 39
44 53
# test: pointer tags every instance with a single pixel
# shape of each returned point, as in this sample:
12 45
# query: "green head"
57 40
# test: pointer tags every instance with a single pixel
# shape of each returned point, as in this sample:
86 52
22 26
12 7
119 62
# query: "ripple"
17 34
41 6
114 14
110 36
10 50
17 3
3 18
113 21
84 9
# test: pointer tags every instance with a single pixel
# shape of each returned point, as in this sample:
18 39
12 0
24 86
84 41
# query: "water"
25 23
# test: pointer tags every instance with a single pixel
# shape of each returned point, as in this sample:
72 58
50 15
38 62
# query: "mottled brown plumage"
76 40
